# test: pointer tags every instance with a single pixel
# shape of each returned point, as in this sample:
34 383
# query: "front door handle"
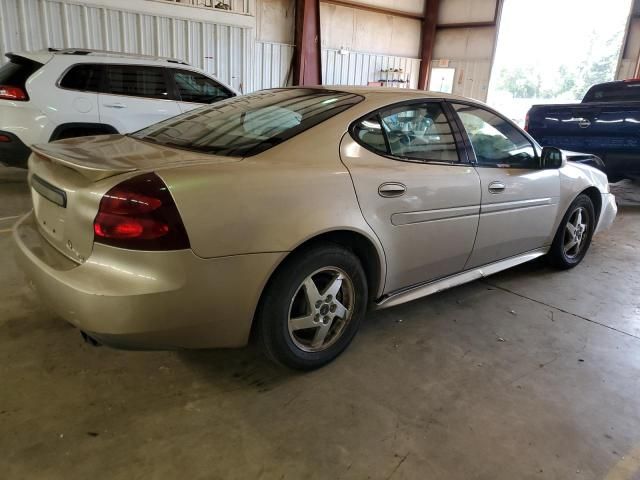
391 189
115 105
496 187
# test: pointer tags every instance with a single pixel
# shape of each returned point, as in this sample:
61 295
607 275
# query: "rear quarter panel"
271 202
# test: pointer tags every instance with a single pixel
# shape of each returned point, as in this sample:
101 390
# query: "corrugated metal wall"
223 50
272 64
358 68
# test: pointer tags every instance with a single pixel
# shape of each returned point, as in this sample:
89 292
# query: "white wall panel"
272 65
224 50
358 68
364 31
471 78
470 51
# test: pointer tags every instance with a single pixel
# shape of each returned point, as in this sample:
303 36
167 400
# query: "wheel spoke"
341 310
321 334
300 323
579 217
570 245
311 290
334 286
571 228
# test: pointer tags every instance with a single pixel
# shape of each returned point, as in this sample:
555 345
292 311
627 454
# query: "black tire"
286 296
559 256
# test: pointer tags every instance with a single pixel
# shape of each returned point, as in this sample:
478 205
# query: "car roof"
83 54
393 94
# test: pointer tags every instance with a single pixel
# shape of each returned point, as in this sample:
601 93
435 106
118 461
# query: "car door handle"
115 105
391 189
496 187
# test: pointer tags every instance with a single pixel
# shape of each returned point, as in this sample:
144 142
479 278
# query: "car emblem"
584 123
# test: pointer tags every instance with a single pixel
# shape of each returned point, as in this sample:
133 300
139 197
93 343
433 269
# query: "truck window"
614 92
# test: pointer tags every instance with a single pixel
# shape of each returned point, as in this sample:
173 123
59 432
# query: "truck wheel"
312 307
574 234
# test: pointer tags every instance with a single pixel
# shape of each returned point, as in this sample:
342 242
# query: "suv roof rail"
87 51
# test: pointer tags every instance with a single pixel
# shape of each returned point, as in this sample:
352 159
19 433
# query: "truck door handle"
496 187
115 105
391 189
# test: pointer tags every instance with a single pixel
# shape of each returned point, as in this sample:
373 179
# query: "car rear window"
250 124
17 71
613 92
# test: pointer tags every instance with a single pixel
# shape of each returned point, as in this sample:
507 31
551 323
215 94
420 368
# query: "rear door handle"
391 189
496 187
115 105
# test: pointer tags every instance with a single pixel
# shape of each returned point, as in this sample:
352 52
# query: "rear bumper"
607 213
147 300
13 153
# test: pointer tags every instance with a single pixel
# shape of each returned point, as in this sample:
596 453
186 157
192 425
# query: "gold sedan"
289 213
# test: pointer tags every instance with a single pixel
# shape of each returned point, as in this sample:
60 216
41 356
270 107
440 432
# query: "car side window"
85 78
495 141
136 81
193 87
369 133
420 132
413 132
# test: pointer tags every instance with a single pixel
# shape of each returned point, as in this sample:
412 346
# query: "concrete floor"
532 373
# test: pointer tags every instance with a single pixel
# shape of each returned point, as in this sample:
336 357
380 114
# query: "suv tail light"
140 214
8 92
526 122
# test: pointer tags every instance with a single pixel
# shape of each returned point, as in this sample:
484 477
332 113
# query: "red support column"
429 25
306 56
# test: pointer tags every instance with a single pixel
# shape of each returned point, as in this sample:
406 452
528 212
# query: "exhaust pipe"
89 339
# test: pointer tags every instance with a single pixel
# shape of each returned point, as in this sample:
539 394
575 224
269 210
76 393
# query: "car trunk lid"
69 178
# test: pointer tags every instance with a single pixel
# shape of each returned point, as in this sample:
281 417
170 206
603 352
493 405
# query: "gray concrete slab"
531 373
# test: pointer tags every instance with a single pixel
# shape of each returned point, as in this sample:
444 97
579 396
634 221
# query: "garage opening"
552 52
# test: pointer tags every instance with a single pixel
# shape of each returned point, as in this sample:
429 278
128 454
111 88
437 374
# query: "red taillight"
7 92
5 138
140 214
526 122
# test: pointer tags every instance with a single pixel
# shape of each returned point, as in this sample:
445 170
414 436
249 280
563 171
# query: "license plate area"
48 191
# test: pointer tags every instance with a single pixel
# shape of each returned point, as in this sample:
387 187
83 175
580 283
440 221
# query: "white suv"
55 94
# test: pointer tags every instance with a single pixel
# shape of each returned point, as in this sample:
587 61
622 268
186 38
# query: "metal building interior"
528 373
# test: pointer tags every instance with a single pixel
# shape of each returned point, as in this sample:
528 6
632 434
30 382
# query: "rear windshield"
17 71
613 92
250 124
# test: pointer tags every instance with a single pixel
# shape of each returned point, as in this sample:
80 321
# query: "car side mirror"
551 158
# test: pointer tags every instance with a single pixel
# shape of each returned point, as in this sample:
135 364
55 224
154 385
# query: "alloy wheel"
320 309
576 232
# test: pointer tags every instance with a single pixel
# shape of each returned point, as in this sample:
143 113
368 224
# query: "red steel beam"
429 26
306 56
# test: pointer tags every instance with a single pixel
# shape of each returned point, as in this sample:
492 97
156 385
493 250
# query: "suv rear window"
248 125
85 77
17 71
613 92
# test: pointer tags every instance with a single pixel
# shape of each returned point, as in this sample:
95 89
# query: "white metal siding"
223 50
471 78
272 65
358 68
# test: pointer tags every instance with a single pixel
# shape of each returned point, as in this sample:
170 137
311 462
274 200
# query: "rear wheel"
574 234
312 307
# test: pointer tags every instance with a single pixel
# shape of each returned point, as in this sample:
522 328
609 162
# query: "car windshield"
247 125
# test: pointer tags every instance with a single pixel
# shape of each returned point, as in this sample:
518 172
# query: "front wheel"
574 234
312 308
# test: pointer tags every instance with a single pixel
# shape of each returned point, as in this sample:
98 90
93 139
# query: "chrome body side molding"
436 286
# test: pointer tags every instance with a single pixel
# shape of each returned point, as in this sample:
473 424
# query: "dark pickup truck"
606 124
